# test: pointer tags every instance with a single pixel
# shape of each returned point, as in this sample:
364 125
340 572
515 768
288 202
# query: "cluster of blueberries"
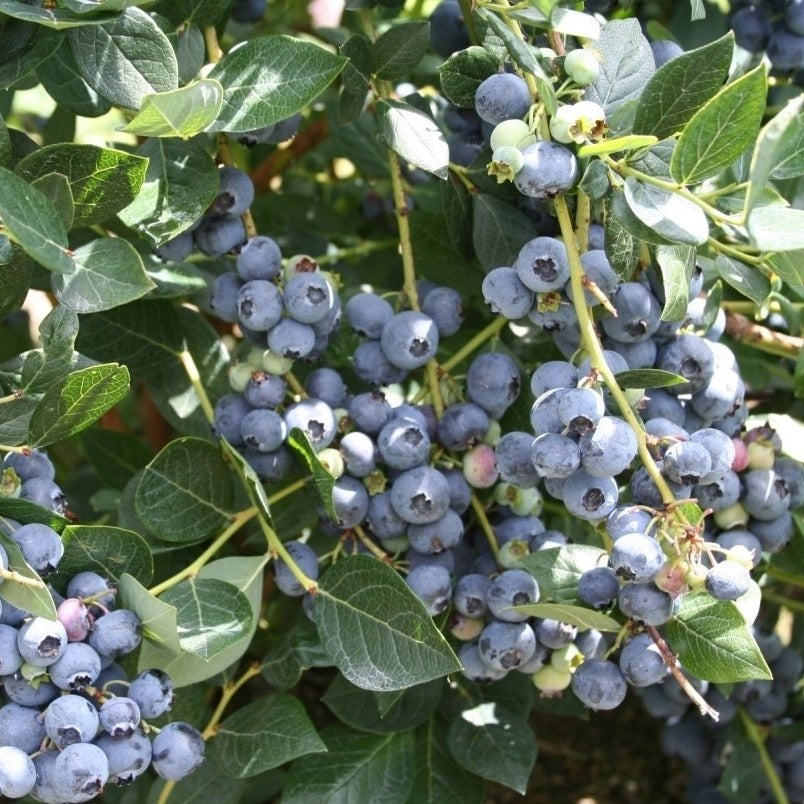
70 720
775 27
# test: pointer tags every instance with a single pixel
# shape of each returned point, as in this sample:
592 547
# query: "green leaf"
595 180
400 49
413 135
56 187
713 642
679 88
494 743
185 492
181 113
24 511
620 211
721 129
79 399
579 616
788 264
56 18
102 180
146 335
107 550
574 23
64 83
524 56
626 65
324 482
557 570
262 735
298 649
656 160
463 72
180 183
779 150
378 634
668 214
16 268
30 219
204 784
115 457
439 779
499 231
743 776
356 768
648 378
5 143
211 615
57 334
354 77
456 204
41 42
676 264
33 597
125 59
158 618
712 305
777 228
108 272
621 247
15 417
747 279
360 708
270 78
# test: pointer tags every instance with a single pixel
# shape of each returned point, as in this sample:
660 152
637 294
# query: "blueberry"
152 692
224 296
409 339
445 306
129 756
690 357
71 719
350 500
358 453
10 657
638 314
493 382
433 537
420 495
510 588
403 444
555 455
645 603
549 169
636 557
766 494
41 547
263 430
553 374
720 397
370 411
721 451
505 294
81 770
687 462
589 497
315 418
609 448
373 367
641 661
235 195
741 538
554 634
432 585
773 534
506 646
447 29
728 580
92 588
638 355
474 668
794 19
28 466
77 668
307 561
460 494
21 727
291 339
544 416
598 587
248 11
502 96
469 596
44 492
260 258
119 716
368 313
308 298
664 50
627 519
116 634
177 248
599 684
462 425
514 460
597 269
719 494
383 520
259 304
542 264
17 772
41 642
22 692
264 390
217 236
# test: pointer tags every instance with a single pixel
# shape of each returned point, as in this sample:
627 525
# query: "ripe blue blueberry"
542 264
17 772
152 692
409 339
71 719
510 588
432 585
599 684
307 561
502 96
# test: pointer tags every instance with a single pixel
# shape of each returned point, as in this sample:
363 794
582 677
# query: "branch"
764 339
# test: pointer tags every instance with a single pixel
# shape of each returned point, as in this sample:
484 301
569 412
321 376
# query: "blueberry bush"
377 379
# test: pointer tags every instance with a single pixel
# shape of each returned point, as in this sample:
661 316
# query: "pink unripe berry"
480 467
76 618
740 455
672 578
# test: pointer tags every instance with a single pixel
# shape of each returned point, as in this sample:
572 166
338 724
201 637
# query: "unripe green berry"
399 544
742 555
551 680
760 455
466 628
239 375
493 434
566 659
582 66
332 461
732 517
506 162
512 553
275 364
516 133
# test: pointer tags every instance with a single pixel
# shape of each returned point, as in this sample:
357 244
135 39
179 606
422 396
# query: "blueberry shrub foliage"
406 368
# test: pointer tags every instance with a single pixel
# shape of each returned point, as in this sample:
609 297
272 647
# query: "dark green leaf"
400 49
270 78
262 735
655 161
354 77
682 86
56 18
712 305
789 265
721 129
108 272
439 778
743 776
298 649
102 180
211 615
33 596
621 211
747 279
188 42
15 417
199 12
413 135
626 65
777 228
185 491
595 180
524 56
109 551
779 150
41 43
356 768
463 72
158 618
115 457
15 276
578 616
30 219
621 247
499 231
324 481
360 709
457 207
74 403
676 264
5 143
24 511
377 633
713 642
180 183
42 367
203 785
56 187
125 59
494 743
648 378
668 214
181 113
557 570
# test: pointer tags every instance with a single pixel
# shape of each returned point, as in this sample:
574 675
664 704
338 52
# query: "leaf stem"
191 370
191 570
583 215
297 388
486 527
214 51
754 735
737 253
595 350
11 575
376 551
23 450
475 342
